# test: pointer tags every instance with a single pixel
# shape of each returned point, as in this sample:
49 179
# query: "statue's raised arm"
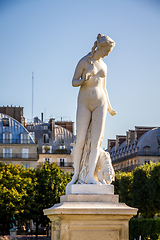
92 165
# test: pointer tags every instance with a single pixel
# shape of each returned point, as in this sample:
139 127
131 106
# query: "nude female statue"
93 103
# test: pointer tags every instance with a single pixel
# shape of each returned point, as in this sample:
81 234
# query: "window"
7 137
158 140
25 153
26 166
50 149
45 127
7 152
30 127
46 149
147 161
45 138
61 162
60 139
5 122
62 147
147 150
25 139
47 160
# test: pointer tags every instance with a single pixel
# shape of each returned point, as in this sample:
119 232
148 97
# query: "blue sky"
49 37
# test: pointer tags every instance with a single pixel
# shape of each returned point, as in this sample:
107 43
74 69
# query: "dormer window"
5 122
45 138
146 150
25 139
45 127
158 140
7 137
30 127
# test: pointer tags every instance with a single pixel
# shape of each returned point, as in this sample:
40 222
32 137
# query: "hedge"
146 228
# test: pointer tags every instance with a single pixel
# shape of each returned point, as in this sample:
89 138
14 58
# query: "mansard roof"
14 127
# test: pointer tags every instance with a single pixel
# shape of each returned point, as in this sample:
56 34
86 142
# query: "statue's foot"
92 180
74 179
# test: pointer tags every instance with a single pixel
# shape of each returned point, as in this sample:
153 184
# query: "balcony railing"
15 141
132 155
19 155
66 164
55 151
128 168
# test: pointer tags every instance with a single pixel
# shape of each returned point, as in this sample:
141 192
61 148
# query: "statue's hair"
100 42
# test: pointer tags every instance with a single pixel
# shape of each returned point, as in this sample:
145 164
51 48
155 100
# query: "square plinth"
90 198
90 212
89 189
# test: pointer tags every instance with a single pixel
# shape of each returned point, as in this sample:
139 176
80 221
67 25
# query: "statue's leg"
82 121
98 124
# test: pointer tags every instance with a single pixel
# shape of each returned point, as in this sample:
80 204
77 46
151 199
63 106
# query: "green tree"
50 185
122 186
141 191
14 201
116 182
154 186
125 188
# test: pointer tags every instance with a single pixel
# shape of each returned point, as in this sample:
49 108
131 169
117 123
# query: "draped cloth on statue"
104 172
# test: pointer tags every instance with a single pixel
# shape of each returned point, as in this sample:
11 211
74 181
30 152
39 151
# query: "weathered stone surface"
90 216
90 189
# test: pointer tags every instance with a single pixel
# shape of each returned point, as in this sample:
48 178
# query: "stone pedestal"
13 233
89 213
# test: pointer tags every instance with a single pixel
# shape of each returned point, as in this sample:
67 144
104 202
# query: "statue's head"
105 41
104 44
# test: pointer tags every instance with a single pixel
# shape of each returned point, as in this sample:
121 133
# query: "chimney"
35 119
130 136
52 127
111 144
119 140
42 117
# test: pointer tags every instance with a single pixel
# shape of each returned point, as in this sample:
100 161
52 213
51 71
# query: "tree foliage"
122 186
51 183
154 186
125 188
15 197
25 193
141 191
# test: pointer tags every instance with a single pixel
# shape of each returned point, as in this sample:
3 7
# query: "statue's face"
103 51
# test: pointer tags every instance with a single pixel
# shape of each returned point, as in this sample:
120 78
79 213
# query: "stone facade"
64 161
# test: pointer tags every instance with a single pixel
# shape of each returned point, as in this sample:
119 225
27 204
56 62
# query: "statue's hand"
112 112
88 76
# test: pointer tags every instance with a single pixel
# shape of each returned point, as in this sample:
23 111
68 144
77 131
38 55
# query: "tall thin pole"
32 92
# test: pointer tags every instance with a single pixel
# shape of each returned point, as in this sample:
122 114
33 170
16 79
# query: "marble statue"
92 165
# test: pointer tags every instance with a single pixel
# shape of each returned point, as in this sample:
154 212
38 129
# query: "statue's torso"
92 92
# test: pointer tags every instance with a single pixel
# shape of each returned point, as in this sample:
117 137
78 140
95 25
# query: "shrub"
147 228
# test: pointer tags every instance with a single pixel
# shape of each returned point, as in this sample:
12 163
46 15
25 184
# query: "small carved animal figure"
104 170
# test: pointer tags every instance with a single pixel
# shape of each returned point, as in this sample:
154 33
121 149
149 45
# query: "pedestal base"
90 217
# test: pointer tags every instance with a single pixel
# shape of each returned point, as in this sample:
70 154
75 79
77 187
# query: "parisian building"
16 143
137 147
54 140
